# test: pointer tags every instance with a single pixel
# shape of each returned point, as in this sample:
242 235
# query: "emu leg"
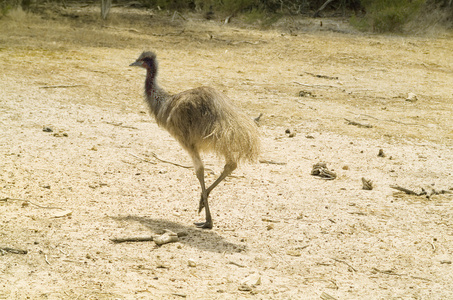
199 170
227 170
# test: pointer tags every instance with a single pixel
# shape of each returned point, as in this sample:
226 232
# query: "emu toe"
204 225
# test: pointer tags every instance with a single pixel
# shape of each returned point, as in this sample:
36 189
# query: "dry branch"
141 239
343 262
266 161
424 192
321 76
12 250
320 169
60 86
169 162
29 202
358 124
325 296
316 14
236 264
318 85
120 124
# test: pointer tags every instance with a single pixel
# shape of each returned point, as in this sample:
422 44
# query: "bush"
388 15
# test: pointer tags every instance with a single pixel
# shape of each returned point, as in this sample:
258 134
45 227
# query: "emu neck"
154 95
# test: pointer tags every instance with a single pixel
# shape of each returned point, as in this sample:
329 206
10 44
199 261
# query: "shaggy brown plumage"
201 119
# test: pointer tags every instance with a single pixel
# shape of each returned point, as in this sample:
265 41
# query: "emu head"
146 60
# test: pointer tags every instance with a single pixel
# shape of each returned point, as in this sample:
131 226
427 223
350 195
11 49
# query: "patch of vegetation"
387 15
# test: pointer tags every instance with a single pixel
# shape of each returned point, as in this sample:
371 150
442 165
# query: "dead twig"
142 159
346 263
29 202
141 239
169 34
171 163
231 42
316 14
322 76
318 85
132 239
122 29
120 124
427 193
12 250
236 264
320 169
407 191
389 120
358 124
393 273
325 296
269 162
60 86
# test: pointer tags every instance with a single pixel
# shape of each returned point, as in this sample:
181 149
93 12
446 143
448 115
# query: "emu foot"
204 225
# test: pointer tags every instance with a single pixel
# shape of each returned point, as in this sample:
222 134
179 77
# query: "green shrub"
388 15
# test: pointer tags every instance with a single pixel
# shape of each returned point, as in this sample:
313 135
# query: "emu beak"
136 64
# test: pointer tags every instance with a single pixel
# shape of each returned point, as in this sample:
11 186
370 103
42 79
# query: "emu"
201 119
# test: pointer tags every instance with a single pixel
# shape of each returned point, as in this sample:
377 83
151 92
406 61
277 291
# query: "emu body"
201 119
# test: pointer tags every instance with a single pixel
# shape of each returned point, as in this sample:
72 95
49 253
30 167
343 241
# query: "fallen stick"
29 202
343 262
424 192
141 239
316 14
12 250
171 163
321 76
132 239
120 124
265 161
60 86
407 191
318 85
358 124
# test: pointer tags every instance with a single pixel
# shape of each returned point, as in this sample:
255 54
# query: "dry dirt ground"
64 194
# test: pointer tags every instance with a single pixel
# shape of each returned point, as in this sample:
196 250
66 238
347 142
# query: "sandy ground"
284 233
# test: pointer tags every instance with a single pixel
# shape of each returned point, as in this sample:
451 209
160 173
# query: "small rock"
367 184
411 97
305 94
167 237
245 288
293 253
252 280
191 263
381 153
47 129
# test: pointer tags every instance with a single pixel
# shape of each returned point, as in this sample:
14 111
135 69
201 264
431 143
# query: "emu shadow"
197 238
